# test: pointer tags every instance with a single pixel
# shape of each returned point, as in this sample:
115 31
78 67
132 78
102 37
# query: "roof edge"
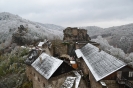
112 72
55 69
91 69
59 64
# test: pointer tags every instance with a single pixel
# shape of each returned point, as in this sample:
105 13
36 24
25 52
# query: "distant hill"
93 31
51 26
9 23
118 36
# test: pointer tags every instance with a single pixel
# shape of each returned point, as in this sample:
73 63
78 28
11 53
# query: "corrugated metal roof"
78 78
46 65
72 81
100 63
69 82
41 43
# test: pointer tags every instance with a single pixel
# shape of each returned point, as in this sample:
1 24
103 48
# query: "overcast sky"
102 13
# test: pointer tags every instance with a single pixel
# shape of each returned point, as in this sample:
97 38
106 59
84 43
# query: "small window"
130 74
38 79
43 84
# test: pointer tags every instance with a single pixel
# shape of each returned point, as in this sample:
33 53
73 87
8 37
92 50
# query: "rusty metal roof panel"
100 63
46 65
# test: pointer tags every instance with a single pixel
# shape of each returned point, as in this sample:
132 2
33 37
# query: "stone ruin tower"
75 38
75 34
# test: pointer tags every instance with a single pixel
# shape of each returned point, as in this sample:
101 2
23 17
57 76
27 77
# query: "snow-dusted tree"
104 45
118 53
5 44
129 59
125 43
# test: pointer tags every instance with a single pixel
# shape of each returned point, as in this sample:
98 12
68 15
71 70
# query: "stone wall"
59 49
111 83
79 46
84 67
75 34
86 71
93 82
40 82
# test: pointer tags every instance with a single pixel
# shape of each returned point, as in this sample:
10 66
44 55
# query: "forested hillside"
118 36
9 23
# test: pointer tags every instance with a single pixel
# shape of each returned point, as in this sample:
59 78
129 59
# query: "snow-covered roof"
72 81
103 83
46 65
78 53
100 63
72 62
69 82
23 47
78 78
41 43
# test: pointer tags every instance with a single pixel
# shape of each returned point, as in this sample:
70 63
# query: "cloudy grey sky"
102 13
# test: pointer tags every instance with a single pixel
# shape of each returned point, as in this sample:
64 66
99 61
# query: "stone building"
75 38
44 68
94 68
104 70
49 72
46 71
